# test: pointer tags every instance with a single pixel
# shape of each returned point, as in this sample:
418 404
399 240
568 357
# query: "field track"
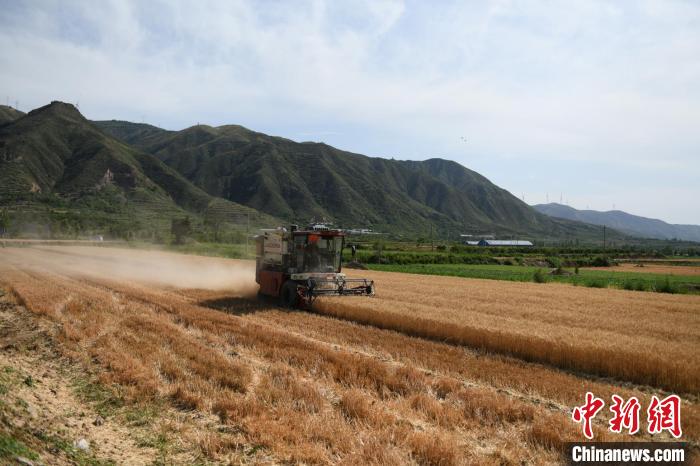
433 370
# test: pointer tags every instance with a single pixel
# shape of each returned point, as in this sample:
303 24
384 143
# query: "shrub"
539 276
601 261
554 262
665 287
634 285
597 284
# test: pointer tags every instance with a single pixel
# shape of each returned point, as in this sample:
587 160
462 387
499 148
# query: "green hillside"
298 181
57 167
135 134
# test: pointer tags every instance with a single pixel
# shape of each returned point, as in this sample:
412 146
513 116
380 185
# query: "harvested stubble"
305 388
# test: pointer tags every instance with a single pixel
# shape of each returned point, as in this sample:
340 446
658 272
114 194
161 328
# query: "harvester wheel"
288 295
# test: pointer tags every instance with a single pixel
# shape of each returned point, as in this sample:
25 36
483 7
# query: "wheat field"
432 370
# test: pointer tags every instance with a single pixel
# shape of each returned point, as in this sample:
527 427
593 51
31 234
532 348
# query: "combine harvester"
297 266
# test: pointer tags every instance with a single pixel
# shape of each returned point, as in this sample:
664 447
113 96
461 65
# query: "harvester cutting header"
297 266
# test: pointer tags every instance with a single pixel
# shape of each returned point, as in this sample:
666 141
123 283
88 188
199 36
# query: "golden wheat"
314 389
646 338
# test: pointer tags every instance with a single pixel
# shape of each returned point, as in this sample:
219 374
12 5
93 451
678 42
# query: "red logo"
625 415
661 415
665 415
587 412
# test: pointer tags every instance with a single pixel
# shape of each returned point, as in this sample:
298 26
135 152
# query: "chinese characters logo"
661 415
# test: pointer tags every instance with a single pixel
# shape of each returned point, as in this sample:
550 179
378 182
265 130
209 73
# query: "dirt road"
184 334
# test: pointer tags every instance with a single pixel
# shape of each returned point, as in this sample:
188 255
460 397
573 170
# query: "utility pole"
603 237
432 245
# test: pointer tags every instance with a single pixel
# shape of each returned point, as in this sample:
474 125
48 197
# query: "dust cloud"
157 268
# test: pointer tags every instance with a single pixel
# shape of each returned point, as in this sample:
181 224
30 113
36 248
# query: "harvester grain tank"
296 266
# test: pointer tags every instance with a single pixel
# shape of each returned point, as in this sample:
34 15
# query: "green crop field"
591 278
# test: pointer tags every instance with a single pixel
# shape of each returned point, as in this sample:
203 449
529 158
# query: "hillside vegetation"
297 181
55 163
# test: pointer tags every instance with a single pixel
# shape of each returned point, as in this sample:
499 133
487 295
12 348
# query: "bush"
539 276
633 285
554 262
597 284
601 261
665 287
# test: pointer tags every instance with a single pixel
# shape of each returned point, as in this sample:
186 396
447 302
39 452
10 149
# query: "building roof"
504 242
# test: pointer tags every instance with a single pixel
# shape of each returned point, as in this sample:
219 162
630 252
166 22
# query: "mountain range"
633 225
54 159
303 180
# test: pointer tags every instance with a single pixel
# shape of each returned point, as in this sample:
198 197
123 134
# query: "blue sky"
597 103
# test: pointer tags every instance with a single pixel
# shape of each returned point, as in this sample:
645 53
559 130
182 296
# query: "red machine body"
296 266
